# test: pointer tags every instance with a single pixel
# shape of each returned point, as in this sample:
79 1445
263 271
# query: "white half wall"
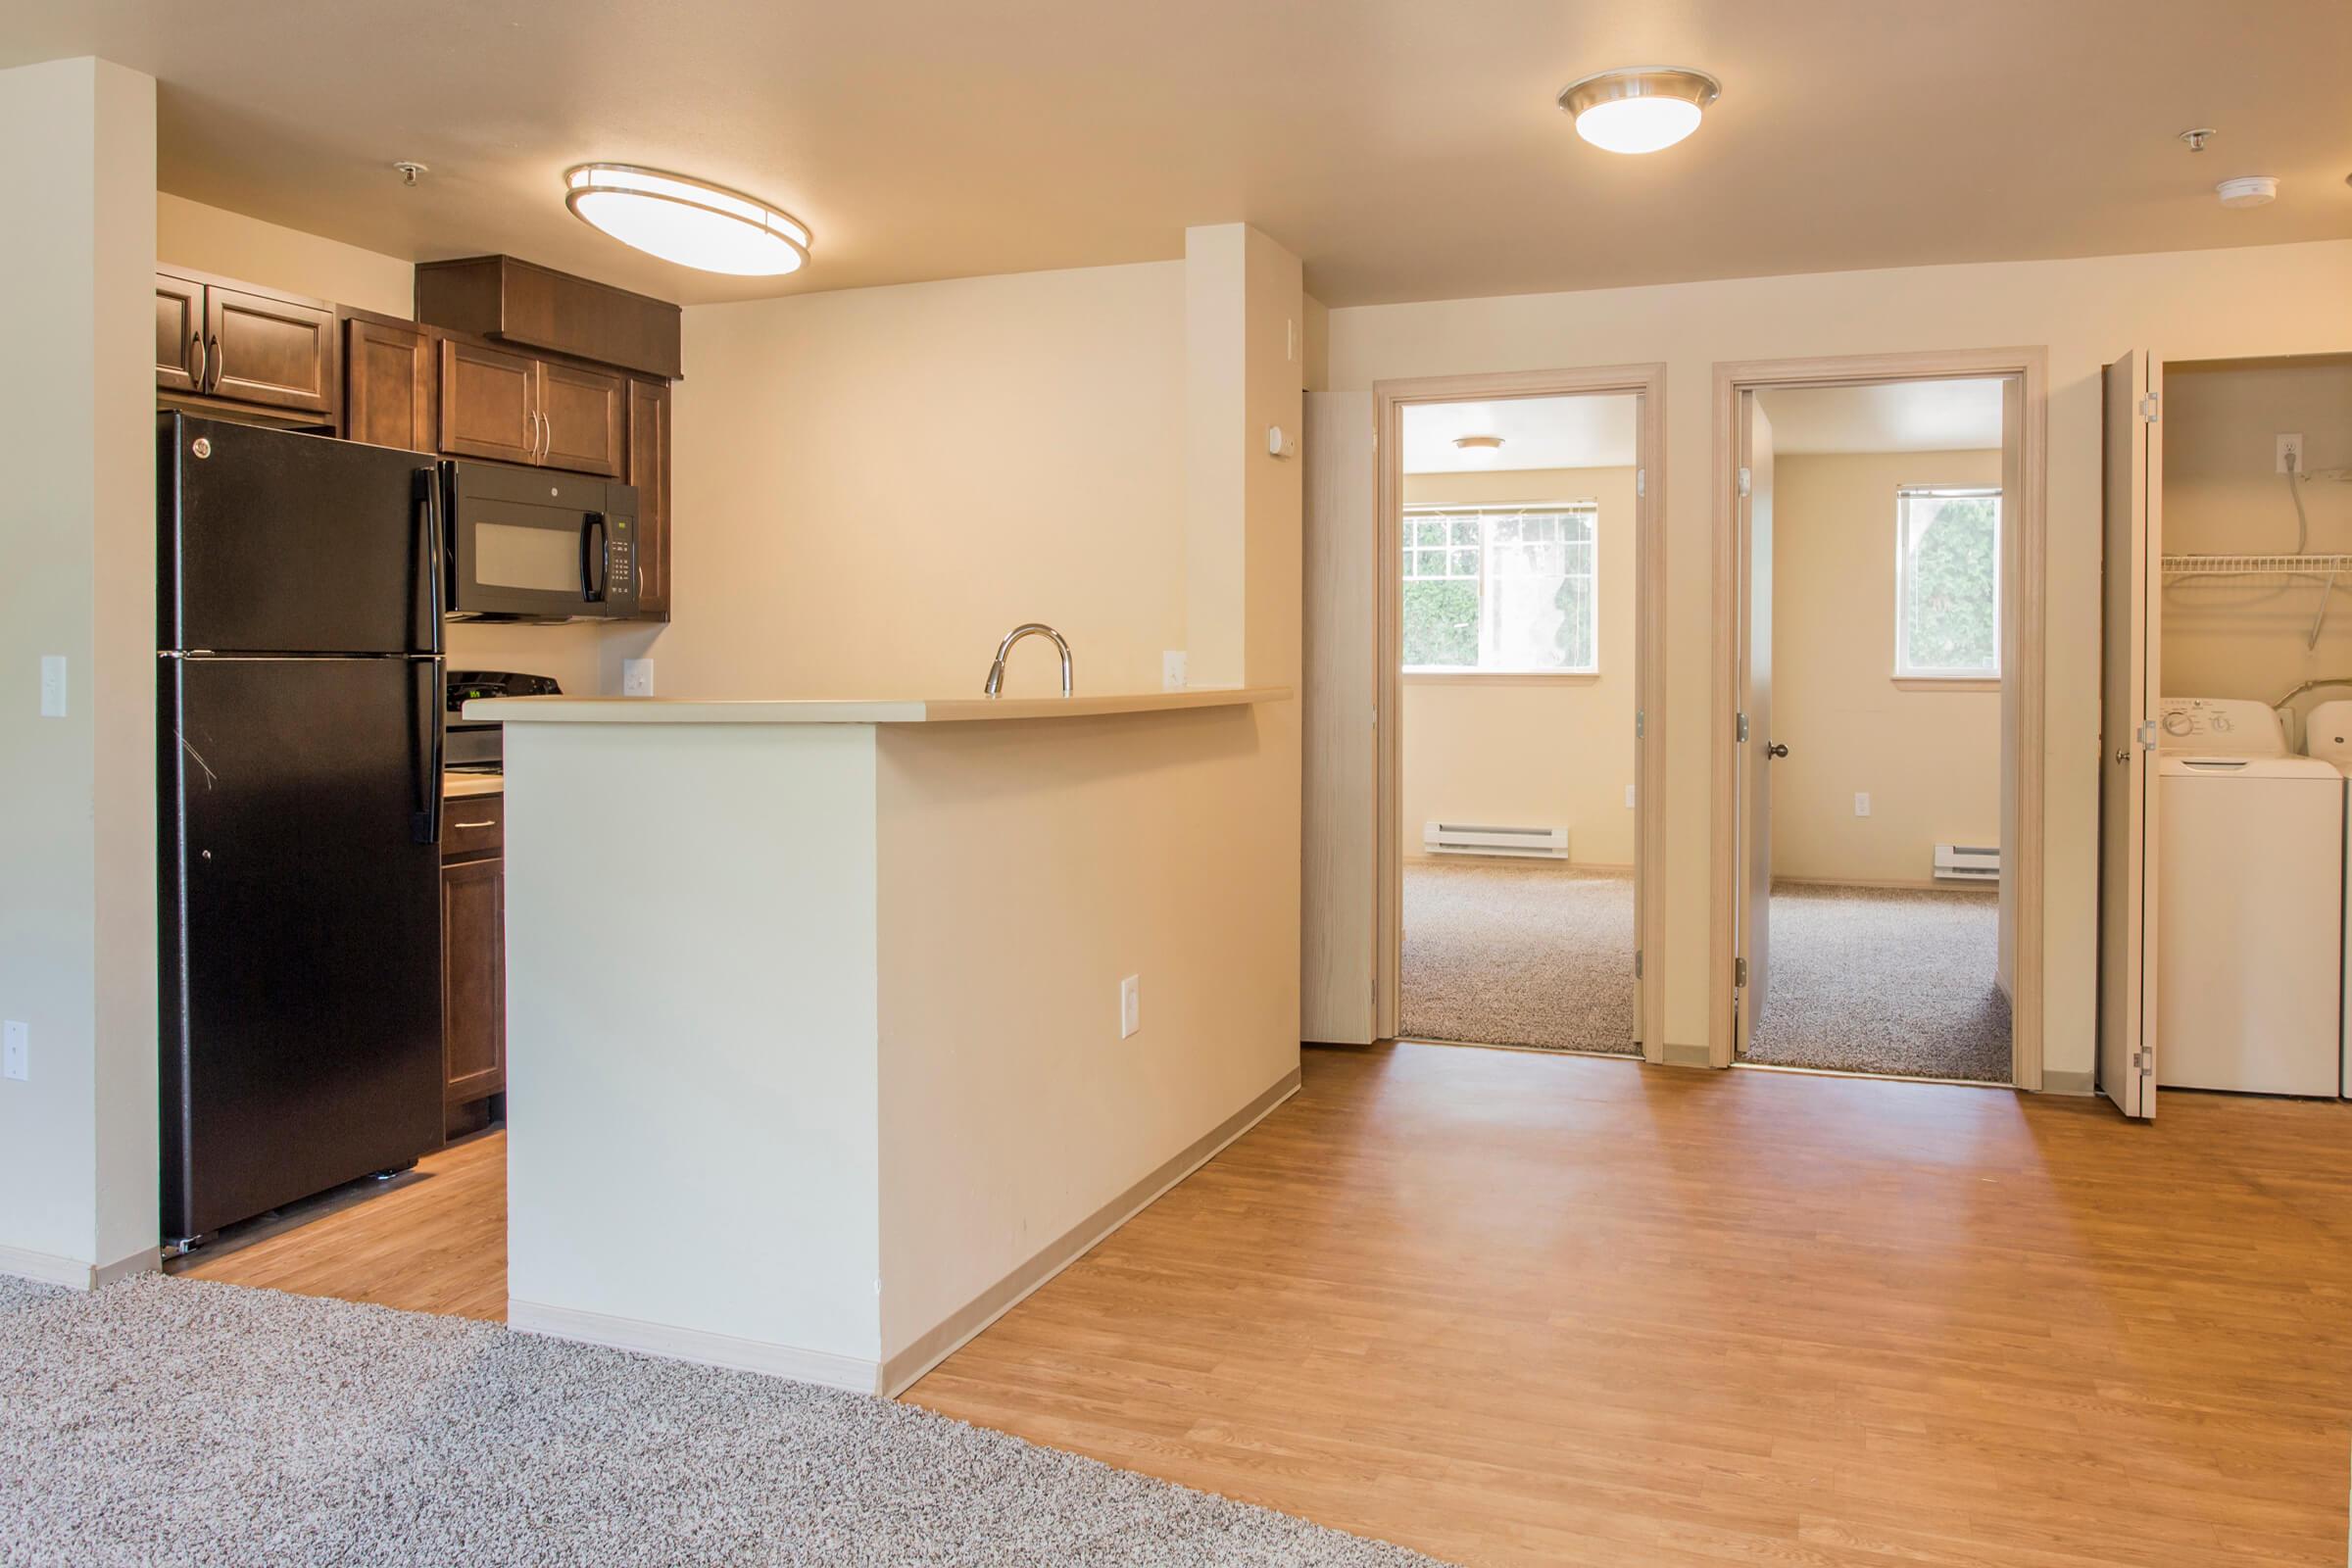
78 900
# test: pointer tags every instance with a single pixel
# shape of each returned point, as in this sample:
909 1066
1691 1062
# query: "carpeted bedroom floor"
1518 952
1533 952
171 1422
1885 980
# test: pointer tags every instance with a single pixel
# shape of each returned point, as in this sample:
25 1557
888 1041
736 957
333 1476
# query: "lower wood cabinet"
474 953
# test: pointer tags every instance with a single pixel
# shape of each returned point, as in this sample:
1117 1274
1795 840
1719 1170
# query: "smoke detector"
2248 190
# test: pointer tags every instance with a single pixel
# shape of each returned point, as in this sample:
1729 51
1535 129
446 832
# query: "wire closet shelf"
2290 566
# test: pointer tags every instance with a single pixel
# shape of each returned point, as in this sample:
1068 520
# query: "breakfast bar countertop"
886 711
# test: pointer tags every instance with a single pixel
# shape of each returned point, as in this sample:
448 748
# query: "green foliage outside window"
1950 584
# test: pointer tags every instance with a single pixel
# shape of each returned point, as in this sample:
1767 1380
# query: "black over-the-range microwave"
527 544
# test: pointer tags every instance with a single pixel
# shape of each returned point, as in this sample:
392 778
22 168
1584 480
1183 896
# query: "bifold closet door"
2132 686
1339 846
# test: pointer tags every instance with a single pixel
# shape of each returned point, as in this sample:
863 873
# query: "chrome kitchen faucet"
996 671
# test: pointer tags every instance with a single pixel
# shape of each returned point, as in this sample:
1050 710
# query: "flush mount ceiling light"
2249 190
1481 447
1640 109
690 222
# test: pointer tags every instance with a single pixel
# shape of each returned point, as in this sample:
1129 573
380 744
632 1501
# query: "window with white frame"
1947 551
1495 590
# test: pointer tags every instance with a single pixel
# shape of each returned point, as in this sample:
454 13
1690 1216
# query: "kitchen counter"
871 711
457 786
820 1005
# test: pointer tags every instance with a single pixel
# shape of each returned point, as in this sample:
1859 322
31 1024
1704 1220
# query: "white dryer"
2328 736
2250 943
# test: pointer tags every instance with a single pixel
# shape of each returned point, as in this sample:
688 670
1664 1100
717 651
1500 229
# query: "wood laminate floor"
433 1240
1513 1308
1518 1309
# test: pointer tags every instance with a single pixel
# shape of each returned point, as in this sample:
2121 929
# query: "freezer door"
278 543
302 930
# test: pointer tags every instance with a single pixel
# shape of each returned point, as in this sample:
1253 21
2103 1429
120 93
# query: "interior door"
2131 688
1339 869
1755 704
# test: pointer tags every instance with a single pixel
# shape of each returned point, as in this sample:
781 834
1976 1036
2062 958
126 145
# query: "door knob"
1775 749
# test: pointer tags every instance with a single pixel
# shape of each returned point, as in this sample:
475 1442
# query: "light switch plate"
1861 804
1131 1005
53 685
16 1050
1629 797
636 677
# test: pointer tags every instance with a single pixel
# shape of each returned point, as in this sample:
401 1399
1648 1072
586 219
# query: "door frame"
2023 674
1647 383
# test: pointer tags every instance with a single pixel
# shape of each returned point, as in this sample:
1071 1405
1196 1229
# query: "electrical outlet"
53 685
2290 454
636 677
1171 669
1629 797
1861 803
1130 1005
16 1050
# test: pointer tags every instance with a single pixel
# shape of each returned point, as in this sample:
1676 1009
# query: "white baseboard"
945 1339
696 1345
146 1260
45 1268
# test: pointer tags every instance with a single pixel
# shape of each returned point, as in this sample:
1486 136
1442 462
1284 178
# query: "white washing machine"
2250 941
2328 736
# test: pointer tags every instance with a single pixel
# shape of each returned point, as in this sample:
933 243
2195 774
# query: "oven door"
526 543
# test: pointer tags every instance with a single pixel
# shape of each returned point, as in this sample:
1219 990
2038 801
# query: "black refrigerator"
299 674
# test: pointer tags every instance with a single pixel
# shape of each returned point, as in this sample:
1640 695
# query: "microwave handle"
595 564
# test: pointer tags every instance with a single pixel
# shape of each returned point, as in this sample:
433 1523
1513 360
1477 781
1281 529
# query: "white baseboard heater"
1467 838
1966 862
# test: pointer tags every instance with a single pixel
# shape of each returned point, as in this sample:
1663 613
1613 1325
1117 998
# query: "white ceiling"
1902 417
1580 433
1403 150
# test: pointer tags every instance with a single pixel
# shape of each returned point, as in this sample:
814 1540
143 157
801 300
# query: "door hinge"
1746 482
2146 734
1739 971
2147 408
1641 481
2144 1059
1636 963
1741 727
1640 722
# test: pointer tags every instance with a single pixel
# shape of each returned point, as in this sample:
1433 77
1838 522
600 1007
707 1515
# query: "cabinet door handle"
211 357
473 824
196 343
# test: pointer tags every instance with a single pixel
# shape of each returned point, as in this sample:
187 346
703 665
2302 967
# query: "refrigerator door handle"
431 759
435 574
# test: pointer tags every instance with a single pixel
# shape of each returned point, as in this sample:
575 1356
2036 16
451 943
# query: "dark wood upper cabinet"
387 384
268 350
520 302
648 472
178 332
583 417
489 403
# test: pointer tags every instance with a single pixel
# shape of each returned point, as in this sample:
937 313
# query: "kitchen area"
355 512
804 1020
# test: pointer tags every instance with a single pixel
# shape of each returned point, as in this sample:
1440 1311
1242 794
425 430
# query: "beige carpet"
1518 952
1880 980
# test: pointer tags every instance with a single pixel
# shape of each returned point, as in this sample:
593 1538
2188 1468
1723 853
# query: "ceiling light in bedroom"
1479 448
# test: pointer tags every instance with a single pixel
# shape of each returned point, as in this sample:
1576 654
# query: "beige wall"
210 239
2223 493
1534 751
1929 759
78 900
2284 299
874 486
